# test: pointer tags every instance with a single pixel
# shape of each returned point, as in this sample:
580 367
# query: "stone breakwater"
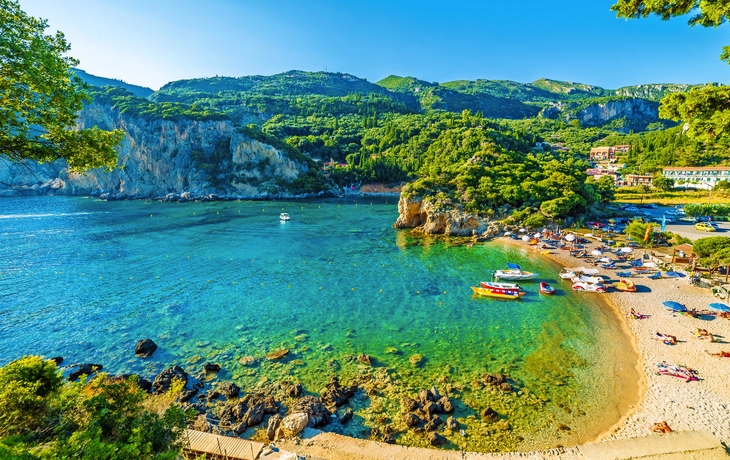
424 217
184 159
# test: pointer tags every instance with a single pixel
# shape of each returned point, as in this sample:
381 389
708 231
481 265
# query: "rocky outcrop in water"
421 215
180 160
145 348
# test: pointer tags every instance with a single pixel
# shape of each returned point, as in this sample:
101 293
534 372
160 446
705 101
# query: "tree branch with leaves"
705 109
40 97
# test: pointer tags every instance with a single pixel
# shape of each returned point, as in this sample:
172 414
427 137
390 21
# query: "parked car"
668 218
588 287
671 212
631 209
651 206
703 219
688 219
705 227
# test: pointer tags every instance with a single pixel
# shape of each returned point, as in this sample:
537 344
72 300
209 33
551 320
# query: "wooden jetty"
215 447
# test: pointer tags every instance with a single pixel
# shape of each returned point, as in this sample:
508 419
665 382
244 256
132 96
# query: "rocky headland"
175 160
426 218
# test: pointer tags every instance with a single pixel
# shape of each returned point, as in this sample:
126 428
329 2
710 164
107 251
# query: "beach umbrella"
569 237
651 264
596 252
674 306
525 238
537 235
507 233
627 250
719 307
605 260
673 274
523 230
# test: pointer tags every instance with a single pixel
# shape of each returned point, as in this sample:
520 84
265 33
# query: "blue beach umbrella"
719 307
673 274
674 306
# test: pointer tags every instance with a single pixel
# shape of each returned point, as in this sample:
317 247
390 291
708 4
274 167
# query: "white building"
698 177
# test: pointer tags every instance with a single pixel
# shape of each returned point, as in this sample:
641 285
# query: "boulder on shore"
292 425
229 389
145 348
337 395
272 426
84 369
165 378
315 410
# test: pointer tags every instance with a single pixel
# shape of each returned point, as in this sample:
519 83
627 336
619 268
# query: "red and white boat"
546 289
498 290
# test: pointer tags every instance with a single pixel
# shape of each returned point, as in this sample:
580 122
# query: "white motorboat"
284 216
514 273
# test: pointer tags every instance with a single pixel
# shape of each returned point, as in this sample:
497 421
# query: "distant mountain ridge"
258 98
140 91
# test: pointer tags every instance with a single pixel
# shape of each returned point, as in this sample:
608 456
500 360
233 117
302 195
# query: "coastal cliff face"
421 215
159 158
636 113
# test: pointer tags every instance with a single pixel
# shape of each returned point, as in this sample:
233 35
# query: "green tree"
706 109
637 231
663 183
712 251
40 97
25 385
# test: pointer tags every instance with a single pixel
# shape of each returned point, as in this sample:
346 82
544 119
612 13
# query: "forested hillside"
477 144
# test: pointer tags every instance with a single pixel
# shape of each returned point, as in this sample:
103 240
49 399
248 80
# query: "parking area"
686 229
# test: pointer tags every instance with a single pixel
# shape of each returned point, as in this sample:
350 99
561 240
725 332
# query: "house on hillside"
602 153
698 177
631 180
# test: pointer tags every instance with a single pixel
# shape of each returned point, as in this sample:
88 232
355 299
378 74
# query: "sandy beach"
696 405
685 406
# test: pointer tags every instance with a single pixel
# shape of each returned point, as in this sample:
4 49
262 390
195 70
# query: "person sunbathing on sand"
667 339
720 354
703 334
633 314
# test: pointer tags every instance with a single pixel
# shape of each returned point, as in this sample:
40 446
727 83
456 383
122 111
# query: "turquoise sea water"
86 279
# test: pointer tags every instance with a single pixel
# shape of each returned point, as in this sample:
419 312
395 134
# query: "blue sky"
151 42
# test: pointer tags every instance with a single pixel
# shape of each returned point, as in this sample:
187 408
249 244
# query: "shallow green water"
217 281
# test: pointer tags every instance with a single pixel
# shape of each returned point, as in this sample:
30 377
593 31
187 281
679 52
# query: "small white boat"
514 273
284 216
570 273
587 279
505 286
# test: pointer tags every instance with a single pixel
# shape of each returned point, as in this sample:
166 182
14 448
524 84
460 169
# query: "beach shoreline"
634 391
684 406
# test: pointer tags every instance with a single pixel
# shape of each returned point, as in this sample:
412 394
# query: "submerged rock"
489 415
250 410
411 419
278 354
346 416
212 367
57 360
365 359
294 390
145 348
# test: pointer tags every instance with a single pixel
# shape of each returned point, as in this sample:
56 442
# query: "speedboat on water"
284 216
495 285
514 273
